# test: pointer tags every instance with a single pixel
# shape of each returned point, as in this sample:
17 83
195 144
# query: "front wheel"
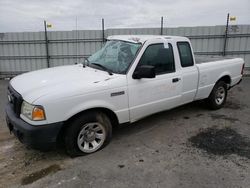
218 96
88 134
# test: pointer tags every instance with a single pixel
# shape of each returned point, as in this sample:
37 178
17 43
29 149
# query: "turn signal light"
38 114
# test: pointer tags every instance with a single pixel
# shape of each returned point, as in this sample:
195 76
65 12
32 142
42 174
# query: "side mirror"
144 71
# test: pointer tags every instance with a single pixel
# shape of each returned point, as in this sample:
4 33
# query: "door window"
185 54
160 56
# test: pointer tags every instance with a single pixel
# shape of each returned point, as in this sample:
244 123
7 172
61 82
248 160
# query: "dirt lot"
190 146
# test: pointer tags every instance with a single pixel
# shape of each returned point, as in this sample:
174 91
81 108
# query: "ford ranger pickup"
129 78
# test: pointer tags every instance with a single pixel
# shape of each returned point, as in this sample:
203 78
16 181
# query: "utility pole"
225 37
162 25
46 43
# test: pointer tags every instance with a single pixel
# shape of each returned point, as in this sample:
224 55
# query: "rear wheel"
218 96
88 133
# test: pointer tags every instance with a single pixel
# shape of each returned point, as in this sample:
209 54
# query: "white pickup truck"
129 78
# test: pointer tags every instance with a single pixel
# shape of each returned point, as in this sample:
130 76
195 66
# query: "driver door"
151 95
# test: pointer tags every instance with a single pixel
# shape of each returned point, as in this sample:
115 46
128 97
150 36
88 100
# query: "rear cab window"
185 54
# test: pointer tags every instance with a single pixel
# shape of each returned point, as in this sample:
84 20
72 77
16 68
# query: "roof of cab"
143 38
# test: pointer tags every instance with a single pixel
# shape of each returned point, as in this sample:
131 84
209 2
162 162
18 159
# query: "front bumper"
42 137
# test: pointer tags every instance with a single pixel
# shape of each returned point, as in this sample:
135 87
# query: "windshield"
115 56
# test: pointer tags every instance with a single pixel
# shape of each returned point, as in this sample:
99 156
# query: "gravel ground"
175 148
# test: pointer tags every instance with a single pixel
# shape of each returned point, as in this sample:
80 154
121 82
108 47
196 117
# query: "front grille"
15 99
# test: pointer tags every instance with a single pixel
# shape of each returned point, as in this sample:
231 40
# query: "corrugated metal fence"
21 52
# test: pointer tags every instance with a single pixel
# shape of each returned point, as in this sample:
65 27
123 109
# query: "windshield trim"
132 62
124 41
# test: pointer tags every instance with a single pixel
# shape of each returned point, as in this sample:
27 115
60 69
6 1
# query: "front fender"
89 105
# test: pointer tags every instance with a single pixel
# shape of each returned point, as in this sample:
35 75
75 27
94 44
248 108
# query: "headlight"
35 113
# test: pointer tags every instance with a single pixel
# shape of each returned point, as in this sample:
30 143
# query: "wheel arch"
226 78
111 114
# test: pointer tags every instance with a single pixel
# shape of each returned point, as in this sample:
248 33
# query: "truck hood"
63 80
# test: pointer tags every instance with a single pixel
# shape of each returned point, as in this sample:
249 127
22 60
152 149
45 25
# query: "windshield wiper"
102 67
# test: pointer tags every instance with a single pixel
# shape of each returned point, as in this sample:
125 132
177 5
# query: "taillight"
243 66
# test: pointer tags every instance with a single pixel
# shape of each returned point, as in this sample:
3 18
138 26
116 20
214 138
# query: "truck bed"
211 69
206 59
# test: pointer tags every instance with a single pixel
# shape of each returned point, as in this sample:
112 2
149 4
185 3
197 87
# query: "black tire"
75 126
212 100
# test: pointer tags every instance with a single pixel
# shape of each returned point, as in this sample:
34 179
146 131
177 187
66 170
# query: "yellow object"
232 18
38 114
49 25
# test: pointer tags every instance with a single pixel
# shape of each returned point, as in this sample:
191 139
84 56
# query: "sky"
28 15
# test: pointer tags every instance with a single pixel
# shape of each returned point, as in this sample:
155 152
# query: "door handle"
175 80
